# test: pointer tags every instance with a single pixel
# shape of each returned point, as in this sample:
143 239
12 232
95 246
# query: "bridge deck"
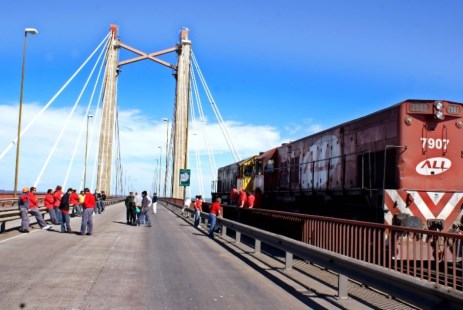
168 266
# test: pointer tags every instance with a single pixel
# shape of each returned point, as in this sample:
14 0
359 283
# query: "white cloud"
140 137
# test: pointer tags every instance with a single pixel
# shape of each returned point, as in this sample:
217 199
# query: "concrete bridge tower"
182 99
108 116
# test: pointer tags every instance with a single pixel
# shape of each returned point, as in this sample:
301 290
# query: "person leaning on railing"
49 201
214 212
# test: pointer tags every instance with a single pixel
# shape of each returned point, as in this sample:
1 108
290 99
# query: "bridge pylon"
108 116
181 113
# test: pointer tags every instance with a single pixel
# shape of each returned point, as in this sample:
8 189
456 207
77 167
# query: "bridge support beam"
182 99
108 116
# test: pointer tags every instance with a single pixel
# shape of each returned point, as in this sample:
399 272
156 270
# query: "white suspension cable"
221 122
210 152
66 123
197 157
34 119
95 157
85 119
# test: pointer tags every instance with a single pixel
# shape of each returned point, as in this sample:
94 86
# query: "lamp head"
31 31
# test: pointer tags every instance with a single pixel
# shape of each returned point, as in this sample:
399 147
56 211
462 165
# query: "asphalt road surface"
170 265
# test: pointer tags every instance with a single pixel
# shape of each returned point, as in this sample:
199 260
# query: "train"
402 165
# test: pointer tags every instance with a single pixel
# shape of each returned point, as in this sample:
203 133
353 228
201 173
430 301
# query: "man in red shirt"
242 198
214 212
198 209
34 209
87 217
233 196
74 202
251 200
57 196
23 203
48 201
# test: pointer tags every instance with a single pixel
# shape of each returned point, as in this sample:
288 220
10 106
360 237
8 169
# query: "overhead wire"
85 118
202 118
199 174
66 123
37 116
220 120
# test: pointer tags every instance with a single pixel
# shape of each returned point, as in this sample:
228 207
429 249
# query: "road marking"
21 235
115 242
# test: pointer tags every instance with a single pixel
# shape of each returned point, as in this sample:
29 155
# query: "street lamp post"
160 165
155 176
26 31
86 152
167 149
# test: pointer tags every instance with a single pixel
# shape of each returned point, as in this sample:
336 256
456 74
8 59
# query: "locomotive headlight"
439 115
438 106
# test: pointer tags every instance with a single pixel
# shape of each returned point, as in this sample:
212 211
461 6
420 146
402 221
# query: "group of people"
243 199
214 211
59 205
138 207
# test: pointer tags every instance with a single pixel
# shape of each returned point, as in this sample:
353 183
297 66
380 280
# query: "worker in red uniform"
64 208
214 212
57 196
23 203
242 198
48 202
87 217
251 200
34 209
198 209
74 203
233 196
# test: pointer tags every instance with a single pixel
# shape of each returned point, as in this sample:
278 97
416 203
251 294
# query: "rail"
420 266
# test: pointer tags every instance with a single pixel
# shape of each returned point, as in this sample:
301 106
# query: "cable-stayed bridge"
94 158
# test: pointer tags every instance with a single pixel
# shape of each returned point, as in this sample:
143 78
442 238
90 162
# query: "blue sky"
278 70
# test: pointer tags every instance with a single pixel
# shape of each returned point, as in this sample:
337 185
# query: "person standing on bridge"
34 209
198 209
155 203
64 208
129 204
81 202
97 196
23 204
74 202
49 201
145 207
87 217
137 200
102 201
214 212
57 196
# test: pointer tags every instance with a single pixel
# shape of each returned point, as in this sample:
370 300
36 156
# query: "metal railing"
431 260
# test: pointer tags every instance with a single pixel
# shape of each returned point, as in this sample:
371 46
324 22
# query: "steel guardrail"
418 292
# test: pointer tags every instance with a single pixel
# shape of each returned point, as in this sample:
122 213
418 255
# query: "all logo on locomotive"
401 163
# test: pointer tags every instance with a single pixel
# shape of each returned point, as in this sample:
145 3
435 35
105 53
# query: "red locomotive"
401 165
